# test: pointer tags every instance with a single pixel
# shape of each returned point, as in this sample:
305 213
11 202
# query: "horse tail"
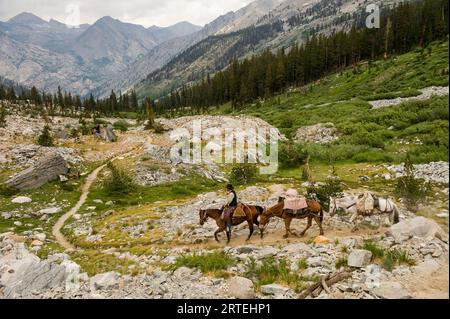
259 209
321 214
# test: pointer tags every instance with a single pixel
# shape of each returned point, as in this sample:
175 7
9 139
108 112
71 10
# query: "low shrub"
121 125
207 263
292 155
242 174
118 182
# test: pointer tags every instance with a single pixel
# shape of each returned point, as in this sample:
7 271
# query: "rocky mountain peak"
26 18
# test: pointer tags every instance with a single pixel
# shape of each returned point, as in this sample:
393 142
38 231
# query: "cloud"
144 12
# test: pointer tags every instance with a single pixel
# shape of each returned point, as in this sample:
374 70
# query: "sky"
144 12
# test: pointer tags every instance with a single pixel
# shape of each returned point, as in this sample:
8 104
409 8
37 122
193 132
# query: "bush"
332 188
8 191
287 122
341 262
373 247
292 155
159 129
207 263
121 125
242 174
413 190
73 133
45 139
118 182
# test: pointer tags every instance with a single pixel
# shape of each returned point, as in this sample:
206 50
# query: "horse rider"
230 207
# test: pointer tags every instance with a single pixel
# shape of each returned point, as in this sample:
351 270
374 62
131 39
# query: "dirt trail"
56 231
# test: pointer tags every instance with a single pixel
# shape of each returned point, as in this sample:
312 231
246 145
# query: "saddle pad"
239 212
295 203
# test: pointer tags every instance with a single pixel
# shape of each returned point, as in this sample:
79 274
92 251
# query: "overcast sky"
144 12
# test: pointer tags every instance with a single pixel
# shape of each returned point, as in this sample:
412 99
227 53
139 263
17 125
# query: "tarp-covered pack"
365 203
293 201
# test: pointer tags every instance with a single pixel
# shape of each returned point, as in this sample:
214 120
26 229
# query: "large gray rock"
21 200
108 280
45 170
359 258
24 273
274 289
241 288
391 290
418 227
109 134
427 267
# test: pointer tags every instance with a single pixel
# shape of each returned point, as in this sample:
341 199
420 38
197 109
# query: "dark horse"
313 211
251 217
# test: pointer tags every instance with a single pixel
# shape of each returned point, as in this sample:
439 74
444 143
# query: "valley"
131 229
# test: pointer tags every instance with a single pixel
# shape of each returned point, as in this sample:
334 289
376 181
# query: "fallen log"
324 284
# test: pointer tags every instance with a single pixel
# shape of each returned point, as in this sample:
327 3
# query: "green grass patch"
211 263
272 270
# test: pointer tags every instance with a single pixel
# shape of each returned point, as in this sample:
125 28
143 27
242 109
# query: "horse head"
263 219
203 216
333 206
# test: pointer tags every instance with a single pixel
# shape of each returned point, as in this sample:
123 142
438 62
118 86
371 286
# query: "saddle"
236 212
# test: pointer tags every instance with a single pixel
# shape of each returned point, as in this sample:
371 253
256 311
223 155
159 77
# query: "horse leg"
217 232
250 226
307 226
287 224
319 223
228 236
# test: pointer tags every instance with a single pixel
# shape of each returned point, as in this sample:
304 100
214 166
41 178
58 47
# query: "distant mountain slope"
163 53
29 65
45 54
290 21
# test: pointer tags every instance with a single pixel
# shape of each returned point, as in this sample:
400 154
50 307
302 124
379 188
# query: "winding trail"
56 230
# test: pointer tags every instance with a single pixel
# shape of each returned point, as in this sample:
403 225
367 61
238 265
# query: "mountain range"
113 55
47 54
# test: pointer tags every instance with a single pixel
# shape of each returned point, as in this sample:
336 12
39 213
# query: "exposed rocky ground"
236 123
319 133
427 93
436 172
171 229
423 240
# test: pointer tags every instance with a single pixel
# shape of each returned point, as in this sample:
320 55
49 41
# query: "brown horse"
313 211
251 217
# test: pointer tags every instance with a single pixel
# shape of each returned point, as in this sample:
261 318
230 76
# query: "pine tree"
45 139
3 114
150 115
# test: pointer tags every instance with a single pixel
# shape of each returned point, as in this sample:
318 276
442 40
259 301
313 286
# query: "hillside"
285 24
369 134
46 54
102 200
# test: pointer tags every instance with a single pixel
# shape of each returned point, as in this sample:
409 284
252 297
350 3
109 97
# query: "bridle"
269 215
